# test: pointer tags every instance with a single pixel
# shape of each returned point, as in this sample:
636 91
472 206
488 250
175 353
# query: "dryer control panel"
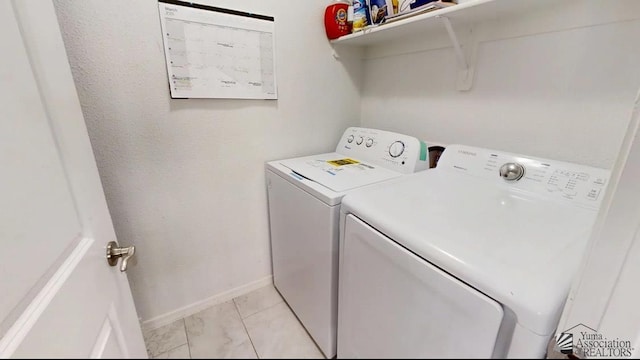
399 152
576 183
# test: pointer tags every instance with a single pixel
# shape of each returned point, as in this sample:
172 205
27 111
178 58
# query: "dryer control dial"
396 149
360 140
350 139
512 171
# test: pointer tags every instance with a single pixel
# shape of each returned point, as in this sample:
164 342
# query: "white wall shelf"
431 23
466 13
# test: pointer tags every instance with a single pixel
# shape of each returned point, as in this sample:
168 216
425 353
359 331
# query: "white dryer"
471 259
304 208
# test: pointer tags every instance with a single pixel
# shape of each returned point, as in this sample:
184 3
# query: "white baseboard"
198 306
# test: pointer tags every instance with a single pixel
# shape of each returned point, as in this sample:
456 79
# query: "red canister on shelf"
335 20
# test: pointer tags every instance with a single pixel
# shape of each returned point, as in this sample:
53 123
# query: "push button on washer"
599 181
593 194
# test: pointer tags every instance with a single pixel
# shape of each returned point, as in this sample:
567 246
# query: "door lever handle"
114 252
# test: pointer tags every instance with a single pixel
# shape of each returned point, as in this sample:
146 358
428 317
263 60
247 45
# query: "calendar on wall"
213 52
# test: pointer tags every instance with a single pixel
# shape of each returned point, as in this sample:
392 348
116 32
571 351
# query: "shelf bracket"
465 72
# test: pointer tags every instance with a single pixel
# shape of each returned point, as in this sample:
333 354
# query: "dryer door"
393 304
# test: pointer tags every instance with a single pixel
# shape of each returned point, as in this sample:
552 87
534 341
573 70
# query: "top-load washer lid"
518 241
338 172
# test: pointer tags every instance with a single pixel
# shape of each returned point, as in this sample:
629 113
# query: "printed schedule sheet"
218 53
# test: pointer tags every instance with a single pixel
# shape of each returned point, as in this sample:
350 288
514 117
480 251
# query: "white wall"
184 179
556 83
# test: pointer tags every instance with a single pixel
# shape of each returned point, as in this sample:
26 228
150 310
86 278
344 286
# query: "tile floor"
256 325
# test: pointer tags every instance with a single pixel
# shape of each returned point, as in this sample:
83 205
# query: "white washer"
304 208
461 262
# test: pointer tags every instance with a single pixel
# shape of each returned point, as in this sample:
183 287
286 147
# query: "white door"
605 296
58 295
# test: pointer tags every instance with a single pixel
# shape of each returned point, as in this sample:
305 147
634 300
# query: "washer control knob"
512 171
360 140
396 149
369 142
350 139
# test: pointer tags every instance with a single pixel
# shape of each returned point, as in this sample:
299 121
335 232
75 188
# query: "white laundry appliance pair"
471 259
304 196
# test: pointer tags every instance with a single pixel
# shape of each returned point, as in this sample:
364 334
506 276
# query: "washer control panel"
580 184
399 152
